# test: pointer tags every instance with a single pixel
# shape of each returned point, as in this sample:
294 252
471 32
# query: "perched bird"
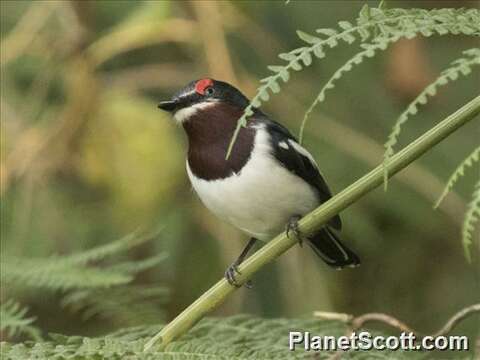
269 180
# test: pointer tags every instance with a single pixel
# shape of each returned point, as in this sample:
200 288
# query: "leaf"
332 42
275 69
306 58
285 75
364 33
318 52
345 25
296 65
310 39
274 87
328 32
364 15
264 95
282 71
348 37
287 56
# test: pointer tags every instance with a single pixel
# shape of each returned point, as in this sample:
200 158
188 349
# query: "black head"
209 111
204 91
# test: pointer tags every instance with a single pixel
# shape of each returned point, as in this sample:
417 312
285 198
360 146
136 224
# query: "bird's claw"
230 276
292 227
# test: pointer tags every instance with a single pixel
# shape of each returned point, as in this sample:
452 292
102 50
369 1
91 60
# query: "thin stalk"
314 221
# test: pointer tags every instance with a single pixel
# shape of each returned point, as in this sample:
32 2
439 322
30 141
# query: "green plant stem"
314 221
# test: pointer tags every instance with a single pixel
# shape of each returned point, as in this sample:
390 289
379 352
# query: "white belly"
261 198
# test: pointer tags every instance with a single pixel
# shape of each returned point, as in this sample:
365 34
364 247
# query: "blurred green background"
87 157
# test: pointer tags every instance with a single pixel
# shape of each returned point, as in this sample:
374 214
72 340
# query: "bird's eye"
209 91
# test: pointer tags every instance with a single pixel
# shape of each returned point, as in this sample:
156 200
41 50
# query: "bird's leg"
232 270
292 227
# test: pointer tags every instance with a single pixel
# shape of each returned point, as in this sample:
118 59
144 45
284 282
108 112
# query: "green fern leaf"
471 218
306 58
345 25
470 59
329 32
385 24
101 252
71 271
364 15
458 173
369 51
310 39
318 52
14 320
238 337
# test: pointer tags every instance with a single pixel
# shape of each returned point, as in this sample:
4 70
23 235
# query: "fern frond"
461 66
137 266
238 337
378 21
458 173
74 271
126 305
471 218
53 275
369 51
103 251
93 288
14 320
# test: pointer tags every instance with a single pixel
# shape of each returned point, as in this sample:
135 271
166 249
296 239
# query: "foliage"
458 173
473 208
471 218
462 66
376 29
86 155
236 337
311 222
84 283
72 271
14 320
384 26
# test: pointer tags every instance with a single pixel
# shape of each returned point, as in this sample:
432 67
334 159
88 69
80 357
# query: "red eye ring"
201 85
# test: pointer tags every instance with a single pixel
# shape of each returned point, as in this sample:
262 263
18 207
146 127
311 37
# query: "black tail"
329 247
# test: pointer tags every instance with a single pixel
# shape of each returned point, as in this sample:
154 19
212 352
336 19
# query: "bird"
268 182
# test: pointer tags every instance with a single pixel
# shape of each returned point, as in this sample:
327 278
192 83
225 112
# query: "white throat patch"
184 114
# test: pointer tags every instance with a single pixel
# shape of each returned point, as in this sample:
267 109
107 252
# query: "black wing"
301 164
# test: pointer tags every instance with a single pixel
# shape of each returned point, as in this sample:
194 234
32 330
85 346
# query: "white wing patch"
283 145
300 149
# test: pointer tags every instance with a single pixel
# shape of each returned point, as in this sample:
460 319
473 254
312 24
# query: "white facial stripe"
185 113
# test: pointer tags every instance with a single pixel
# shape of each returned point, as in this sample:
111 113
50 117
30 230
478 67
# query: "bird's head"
205 96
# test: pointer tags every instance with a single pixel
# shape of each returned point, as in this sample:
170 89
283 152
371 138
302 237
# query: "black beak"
169 105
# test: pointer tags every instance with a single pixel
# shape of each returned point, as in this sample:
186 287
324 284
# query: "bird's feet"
292 227
231 273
